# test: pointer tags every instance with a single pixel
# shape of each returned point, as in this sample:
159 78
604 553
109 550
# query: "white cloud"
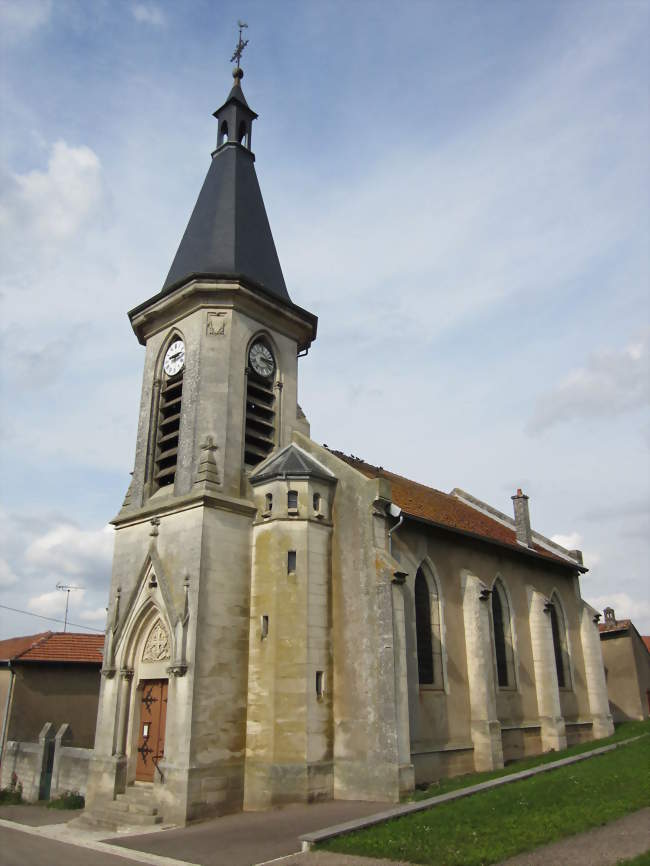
626 607
67 551
611 382
48 604
570 542
149 13
573 541
97 615
53 204
19 18
7 576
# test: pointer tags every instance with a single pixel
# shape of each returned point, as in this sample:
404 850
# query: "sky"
460 192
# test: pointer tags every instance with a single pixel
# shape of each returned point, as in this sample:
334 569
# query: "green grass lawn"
641 860
623 732
490 826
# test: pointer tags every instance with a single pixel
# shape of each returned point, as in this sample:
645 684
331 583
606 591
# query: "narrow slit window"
320 684
291 561
316 503
558 629
423 629
292 500
264 626
268 503
499 638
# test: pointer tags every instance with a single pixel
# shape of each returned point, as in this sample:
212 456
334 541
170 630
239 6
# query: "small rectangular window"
320 684
291 561
264 626
268 503
317 503
292 500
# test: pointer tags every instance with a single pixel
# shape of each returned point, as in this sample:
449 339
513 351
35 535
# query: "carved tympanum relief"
156 648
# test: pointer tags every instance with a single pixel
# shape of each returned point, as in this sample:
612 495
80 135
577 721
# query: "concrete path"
604 846
247 838
38 816
29 849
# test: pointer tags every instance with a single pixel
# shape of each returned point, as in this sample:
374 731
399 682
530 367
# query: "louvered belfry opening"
169 422
260 419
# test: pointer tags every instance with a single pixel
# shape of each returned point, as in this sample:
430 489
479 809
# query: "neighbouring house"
287 622
50 683
626 655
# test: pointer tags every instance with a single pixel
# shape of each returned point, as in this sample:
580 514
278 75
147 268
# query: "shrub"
68 800
9 797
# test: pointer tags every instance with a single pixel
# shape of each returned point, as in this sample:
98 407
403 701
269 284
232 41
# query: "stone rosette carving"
156 648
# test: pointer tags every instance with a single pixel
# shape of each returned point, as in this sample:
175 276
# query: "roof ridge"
386 473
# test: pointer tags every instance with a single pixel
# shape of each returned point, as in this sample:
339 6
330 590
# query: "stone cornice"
201 292
176 504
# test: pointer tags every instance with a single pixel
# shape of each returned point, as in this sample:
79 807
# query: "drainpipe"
394 511
5 721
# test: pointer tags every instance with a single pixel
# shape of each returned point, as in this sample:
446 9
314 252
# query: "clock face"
261 360
174 358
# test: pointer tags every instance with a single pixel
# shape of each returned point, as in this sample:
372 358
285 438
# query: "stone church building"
287 622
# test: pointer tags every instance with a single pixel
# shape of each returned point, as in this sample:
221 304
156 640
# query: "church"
290 623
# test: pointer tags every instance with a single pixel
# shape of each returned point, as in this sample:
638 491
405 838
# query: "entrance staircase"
134 808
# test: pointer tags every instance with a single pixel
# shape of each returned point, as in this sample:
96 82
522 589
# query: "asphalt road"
18 848
248 837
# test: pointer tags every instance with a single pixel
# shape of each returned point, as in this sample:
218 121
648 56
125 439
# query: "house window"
558 629
168 425
316 502
268 503
291 562
502 635
292 500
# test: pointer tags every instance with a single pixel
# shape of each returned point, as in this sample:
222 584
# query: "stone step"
115 819
130 804
139 791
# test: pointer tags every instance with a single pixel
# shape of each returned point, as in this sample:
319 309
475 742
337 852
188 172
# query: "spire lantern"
235 118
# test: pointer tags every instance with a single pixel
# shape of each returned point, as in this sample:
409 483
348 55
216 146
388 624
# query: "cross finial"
239 49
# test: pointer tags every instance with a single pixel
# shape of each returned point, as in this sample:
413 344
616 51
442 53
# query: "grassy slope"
443 786
493 825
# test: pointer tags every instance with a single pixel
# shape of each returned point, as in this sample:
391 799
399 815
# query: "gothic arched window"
168 414
427 629
502 634
558 629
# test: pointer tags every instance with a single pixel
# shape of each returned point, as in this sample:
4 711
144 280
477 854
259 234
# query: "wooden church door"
151 736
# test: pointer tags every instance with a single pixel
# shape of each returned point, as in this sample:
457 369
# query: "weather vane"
239 50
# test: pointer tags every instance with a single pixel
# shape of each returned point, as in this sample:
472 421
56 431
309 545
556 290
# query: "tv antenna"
67 589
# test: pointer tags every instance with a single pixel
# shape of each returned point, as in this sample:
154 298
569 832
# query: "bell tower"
219 394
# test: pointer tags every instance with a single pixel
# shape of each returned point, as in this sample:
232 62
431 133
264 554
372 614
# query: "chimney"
522 519
610 616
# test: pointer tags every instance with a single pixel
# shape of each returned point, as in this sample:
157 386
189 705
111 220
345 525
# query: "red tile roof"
646 640
13 646
446 510
64 647
617 625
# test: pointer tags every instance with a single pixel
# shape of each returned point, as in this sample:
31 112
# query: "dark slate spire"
228 234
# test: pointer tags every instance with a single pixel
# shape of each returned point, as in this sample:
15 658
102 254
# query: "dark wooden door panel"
151 734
